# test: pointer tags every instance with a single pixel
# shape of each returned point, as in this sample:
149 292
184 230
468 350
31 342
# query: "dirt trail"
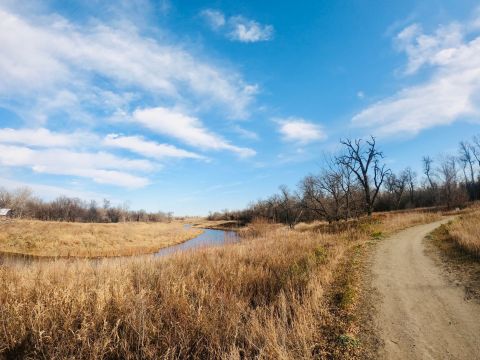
421 315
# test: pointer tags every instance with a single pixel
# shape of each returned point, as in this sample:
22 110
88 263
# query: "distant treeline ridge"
25 205
357 182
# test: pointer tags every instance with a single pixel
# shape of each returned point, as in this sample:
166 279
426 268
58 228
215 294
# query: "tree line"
25 205
357 182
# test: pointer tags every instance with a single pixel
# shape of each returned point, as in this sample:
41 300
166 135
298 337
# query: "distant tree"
92 214
428 171
290 206
396 187
410 177
314 199
466 158
5 198
329 194
476 148
364 160
452 195
19 201
348 186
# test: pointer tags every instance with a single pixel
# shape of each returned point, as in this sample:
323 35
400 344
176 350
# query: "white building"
4 213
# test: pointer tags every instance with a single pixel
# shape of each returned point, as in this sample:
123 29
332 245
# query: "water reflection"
209 237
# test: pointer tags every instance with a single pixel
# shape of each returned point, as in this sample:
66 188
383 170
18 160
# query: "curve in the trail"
420 314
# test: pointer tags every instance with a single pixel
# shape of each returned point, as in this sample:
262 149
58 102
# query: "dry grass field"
456 246
277 294
465 232
48 238
215 224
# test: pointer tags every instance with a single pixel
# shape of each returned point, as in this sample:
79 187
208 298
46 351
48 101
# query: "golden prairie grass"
215 224
465 232
392 222
379 223
49 238
266 297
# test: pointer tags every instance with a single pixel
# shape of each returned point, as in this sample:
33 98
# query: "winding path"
420 314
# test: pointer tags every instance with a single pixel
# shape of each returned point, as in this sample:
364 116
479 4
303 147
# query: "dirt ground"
420 314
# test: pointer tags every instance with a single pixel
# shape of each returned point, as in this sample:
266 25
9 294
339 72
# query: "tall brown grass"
465 232
51 238
265 297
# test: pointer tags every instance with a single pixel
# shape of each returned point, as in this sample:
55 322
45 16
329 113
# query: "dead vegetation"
278 294
465 233
64 239
455 246
216 224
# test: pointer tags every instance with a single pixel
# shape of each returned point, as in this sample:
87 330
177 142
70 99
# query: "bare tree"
466 157
19 201
350 192
290 205
5 198
363 159
476 148
396 186
448 173
428 171
410 177
272 205
313 199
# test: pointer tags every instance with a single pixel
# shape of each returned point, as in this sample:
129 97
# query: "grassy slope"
279 294
465 233
456 246
47 238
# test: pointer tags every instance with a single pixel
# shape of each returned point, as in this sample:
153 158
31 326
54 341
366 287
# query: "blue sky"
194 106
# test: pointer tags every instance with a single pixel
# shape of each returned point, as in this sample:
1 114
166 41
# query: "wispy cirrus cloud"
57 153
87 75
215 18
150 149
238 28
42 137
245 133
49 191
101 167
188 129
301 131
451 92
60 63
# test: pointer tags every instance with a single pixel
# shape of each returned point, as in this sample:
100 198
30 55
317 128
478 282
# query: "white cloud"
300 130
475 22
238 28
215 18
58 57
48 191
436 49
246 30
44 138
101 167
450 93
248 134
147 148
185 128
